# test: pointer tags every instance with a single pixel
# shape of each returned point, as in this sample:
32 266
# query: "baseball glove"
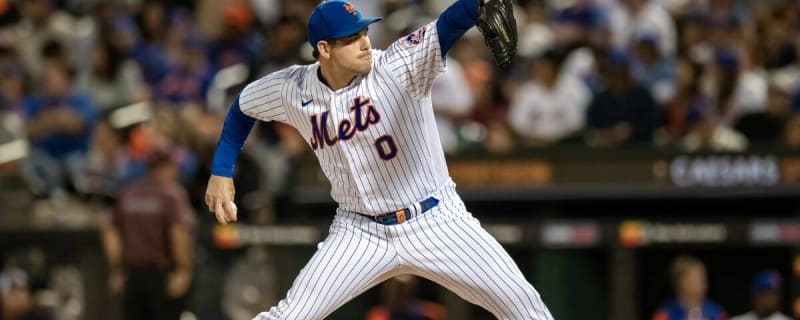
499 28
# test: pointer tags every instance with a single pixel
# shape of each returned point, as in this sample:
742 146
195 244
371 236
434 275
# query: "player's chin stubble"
362 67
363 64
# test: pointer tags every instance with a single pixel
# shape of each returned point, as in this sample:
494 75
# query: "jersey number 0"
386 147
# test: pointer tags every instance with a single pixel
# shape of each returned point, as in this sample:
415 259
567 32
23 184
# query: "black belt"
404 215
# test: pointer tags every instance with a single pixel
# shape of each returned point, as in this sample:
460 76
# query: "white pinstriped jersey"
376 139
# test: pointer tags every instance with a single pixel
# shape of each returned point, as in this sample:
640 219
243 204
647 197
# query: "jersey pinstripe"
377 142
390 160
447 245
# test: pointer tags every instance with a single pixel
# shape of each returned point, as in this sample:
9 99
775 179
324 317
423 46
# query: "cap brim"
356 27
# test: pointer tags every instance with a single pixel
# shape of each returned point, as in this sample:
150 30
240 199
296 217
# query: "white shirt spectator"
751 92
549 114
750 96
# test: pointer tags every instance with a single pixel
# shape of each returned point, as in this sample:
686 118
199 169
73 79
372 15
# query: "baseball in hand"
233 206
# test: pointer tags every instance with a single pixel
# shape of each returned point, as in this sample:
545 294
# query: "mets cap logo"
349 8
414 38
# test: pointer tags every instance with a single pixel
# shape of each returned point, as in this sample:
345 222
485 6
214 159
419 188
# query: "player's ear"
324 49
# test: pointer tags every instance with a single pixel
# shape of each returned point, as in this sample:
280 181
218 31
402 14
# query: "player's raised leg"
353 258
450 248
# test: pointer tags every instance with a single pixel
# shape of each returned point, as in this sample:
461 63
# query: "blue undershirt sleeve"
455 21
235 130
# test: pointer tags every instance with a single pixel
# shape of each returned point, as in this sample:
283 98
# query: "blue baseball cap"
767 280
584 16
335 19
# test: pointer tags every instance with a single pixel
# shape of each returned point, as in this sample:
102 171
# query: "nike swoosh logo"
305 103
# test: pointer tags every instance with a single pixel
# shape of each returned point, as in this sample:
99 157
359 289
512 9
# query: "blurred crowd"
94 94
717 75
695 75
690 284
88 87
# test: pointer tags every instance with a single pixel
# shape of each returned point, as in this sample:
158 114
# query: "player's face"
353 53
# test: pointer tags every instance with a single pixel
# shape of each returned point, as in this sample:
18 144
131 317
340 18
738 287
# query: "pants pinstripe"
446 245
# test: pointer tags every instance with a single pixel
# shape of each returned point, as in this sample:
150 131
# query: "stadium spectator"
688 107
148 45
148 245
738 88
552 105
766 291
585 29
653 70
16 302
59 124
186 79
766 126
690 303
113 80
694 43
578 25
638 17
110 165
42 23
623 112
237 43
